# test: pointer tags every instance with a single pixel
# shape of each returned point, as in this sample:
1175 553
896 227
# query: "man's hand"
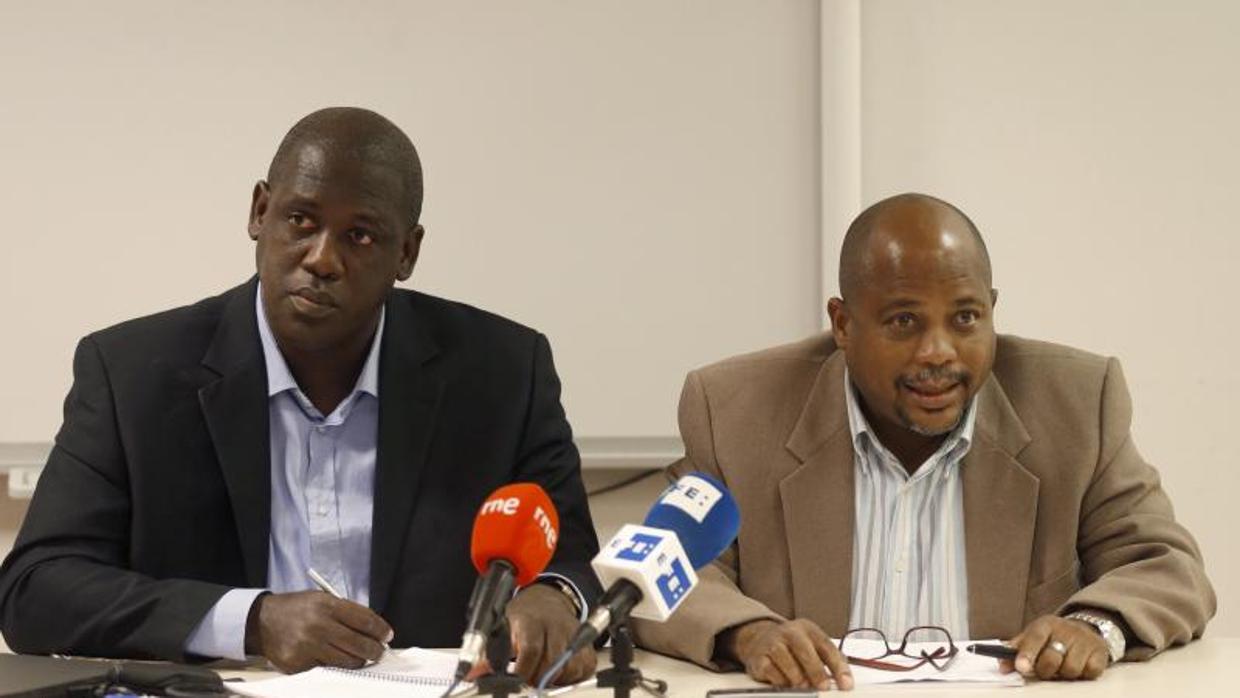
793 653
543 620
305 629
1084 654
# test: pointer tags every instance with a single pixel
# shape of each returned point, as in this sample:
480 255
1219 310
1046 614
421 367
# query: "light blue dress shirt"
322 495
908 538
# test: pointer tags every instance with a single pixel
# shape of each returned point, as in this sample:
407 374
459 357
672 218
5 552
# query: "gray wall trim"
614 452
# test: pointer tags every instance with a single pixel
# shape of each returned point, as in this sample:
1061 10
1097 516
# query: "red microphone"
514 536
518 524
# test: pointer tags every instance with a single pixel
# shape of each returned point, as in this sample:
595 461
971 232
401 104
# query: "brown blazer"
1060 510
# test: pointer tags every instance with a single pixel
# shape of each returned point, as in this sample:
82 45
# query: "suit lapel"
235 409
409 393
1000 510
818 503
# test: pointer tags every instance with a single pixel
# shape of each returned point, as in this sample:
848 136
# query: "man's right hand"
792 653
306 629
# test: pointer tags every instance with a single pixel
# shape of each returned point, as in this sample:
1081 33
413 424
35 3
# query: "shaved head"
902 215
351 132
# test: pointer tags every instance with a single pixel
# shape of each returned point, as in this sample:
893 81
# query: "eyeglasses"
869 647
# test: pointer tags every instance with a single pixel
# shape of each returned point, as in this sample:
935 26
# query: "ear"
839 321
258 208
994 297
409 249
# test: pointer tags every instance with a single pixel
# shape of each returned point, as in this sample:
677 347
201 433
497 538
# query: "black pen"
996 651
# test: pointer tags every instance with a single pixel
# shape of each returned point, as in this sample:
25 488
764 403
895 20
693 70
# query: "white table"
1202 669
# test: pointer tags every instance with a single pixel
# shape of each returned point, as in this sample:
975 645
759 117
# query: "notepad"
410 673
965 667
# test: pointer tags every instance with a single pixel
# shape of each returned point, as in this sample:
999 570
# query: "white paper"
411 673
965 667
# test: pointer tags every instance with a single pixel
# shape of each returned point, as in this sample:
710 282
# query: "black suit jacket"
155 500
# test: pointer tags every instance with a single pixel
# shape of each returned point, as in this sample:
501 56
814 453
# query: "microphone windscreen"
519 524
702 514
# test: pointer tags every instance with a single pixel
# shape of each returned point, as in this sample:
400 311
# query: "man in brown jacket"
913 468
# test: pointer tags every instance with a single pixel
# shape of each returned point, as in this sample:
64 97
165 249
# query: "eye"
361 236
902 323
967 318
300 220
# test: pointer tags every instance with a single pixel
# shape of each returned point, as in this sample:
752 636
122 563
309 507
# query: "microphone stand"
622 677
500 683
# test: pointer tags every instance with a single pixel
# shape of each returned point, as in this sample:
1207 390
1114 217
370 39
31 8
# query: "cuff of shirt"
581 599
221 633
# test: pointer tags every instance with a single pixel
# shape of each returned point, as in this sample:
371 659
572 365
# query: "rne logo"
507 507
544 524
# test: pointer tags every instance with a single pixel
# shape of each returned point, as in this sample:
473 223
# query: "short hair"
857 238
360 131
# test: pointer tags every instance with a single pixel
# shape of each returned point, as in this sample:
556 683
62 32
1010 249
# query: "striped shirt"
908 538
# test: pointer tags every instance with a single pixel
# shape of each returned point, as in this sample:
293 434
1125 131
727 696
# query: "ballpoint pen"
323 584
991 650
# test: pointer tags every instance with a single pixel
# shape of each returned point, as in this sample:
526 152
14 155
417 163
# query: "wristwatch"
1111 633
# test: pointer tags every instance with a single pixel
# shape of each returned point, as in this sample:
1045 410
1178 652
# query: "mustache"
936 375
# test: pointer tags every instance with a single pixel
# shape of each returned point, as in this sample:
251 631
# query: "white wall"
636 179
1095 145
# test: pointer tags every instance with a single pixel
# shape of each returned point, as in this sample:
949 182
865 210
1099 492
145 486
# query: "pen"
322 583
996 651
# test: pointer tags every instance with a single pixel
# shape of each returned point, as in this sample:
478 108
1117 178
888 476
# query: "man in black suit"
312 417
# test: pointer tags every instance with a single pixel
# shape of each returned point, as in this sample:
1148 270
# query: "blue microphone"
649 569
702 514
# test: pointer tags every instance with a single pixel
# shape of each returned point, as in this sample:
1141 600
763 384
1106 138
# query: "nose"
937 347
322 258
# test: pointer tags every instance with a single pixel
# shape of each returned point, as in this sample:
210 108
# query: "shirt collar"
953 448
280 378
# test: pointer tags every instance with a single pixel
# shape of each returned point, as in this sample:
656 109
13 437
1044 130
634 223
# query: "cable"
623 483
553 671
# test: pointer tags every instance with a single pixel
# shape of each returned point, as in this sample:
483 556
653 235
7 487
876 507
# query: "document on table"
410 673
965 667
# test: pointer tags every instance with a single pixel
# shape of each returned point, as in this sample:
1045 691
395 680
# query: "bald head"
880 234
353 133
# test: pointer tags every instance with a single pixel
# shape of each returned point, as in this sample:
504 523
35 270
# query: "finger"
1006 666
353 643
1074 661
581 667
805 652
1095 665
362 620
330 655
527 640
1028 645
788 665
764 670
1048 662
835 662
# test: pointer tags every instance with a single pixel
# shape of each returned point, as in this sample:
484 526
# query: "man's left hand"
542 621
1059 648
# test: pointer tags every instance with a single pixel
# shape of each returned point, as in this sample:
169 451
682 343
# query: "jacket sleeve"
549 458
1137 561
65 588
717 603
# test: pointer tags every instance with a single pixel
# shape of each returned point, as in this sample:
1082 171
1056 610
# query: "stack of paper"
965 667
